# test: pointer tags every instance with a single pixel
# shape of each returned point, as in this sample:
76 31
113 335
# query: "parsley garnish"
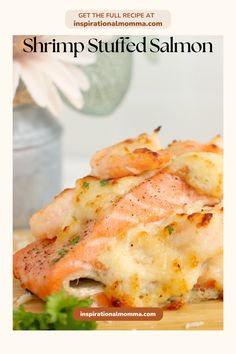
55 260
74 218
75 240
104 182
62 252
57 315
86 184
170 229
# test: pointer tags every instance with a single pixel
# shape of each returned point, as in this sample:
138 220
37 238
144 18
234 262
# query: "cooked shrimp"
130 157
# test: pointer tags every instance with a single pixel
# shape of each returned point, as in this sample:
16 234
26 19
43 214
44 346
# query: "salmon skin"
43 266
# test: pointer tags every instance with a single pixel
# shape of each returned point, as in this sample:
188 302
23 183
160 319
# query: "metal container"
36 161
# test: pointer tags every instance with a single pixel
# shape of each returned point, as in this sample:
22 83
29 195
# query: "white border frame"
187 17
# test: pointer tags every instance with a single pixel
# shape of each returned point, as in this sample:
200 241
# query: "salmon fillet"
154 199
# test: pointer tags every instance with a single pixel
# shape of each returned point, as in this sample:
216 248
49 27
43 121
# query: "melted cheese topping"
201 170
157 262
93 197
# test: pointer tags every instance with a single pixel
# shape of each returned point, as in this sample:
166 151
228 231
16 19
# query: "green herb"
57 315
104 182
74 218
75 240
62 252
86 184
170 229
55 260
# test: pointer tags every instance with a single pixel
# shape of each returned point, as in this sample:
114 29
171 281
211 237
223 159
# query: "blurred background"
120 96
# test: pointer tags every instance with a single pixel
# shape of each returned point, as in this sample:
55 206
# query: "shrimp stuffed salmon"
149 239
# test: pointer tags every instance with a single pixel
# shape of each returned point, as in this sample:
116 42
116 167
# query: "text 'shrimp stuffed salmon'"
144 229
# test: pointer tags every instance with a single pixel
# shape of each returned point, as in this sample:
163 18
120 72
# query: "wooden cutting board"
205 315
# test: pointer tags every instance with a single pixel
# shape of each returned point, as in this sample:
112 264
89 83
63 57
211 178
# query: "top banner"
118 19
